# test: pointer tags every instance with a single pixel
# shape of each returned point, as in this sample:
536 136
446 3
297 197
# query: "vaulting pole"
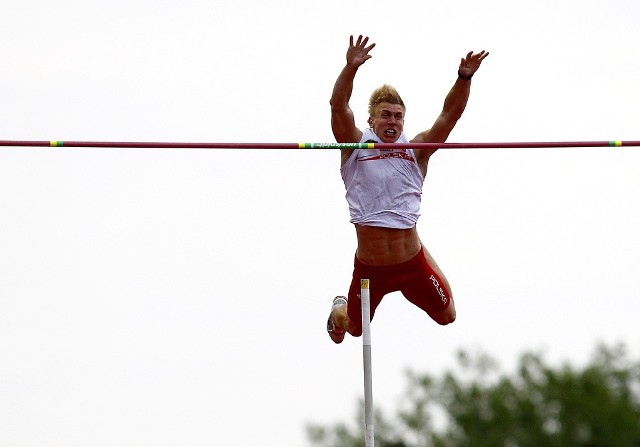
177 145
366 354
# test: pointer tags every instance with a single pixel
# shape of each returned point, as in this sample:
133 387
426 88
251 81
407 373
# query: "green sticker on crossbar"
615 143
53 143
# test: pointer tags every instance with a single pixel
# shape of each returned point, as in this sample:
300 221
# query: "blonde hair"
386 93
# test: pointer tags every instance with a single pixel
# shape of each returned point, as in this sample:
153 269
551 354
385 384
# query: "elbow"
450 118
453 114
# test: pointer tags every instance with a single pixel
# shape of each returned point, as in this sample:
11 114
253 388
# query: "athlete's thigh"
376 294
428 289
436 268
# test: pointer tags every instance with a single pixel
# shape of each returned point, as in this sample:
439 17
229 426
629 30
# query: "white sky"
179 297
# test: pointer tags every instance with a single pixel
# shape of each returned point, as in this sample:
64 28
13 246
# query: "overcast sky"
179 297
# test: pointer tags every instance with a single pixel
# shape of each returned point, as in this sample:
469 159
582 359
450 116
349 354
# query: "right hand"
358 54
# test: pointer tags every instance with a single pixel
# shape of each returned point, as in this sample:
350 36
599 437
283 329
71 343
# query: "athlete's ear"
370 121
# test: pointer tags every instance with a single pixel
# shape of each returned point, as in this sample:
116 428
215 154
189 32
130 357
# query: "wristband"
465 78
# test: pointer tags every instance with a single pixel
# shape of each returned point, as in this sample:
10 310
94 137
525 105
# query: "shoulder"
358 137
423 155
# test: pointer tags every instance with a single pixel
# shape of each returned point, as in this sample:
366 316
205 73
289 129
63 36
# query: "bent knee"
443 321
448 316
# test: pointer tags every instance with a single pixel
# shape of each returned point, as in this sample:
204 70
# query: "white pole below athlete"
366 351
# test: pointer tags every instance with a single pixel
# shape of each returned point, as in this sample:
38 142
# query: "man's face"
388 122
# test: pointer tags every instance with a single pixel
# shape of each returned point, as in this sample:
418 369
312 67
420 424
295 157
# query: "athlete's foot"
336 334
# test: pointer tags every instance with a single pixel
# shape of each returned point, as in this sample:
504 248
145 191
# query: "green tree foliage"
537 405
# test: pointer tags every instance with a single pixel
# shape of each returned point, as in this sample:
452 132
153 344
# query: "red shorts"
415 279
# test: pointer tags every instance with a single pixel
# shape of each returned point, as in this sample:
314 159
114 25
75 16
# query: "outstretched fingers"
481 55
358 53
362 43
471 62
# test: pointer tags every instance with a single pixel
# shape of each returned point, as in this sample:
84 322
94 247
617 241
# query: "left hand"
470 64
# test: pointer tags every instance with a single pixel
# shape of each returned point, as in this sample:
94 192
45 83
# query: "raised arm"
342 119
454 105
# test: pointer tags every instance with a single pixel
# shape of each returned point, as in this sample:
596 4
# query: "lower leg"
342 320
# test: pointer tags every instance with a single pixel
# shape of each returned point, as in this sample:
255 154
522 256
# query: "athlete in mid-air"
383 190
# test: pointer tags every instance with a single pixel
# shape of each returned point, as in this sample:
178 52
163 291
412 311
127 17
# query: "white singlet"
384 186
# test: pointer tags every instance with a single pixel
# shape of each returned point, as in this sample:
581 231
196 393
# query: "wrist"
463 77
351 67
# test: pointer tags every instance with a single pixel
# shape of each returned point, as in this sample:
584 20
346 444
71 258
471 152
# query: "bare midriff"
386 246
